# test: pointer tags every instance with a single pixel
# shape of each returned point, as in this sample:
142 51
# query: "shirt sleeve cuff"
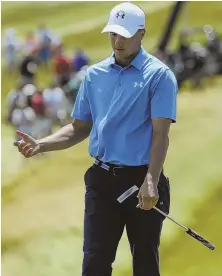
83 117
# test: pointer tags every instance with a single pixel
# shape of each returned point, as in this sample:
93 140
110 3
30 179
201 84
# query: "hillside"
47 207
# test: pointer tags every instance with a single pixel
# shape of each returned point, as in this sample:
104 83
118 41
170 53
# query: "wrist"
152 180
41 146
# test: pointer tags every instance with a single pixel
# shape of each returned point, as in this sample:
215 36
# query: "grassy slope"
186 257
9 169
47 208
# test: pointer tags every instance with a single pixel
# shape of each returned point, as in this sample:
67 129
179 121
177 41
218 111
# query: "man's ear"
143 33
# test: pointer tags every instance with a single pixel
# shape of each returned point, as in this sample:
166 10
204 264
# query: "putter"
189 231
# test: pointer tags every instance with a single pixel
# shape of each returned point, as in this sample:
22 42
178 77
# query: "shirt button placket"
120 77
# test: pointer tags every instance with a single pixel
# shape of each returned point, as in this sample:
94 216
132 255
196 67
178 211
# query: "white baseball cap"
125 19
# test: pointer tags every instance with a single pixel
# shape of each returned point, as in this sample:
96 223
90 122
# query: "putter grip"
200 239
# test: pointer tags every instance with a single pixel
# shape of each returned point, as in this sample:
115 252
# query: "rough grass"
187 257
47 207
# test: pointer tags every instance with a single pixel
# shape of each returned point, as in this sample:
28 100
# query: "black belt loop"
115 169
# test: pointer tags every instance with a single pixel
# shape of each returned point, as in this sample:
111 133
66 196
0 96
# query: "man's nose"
119 40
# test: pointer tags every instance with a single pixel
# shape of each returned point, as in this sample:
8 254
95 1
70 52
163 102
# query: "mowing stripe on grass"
93 23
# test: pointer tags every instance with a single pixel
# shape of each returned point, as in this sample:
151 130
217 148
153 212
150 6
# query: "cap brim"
119 30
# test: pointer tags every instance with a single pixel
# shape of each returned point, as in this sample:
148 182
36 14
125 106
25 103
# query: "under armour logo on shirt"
120 14
140 84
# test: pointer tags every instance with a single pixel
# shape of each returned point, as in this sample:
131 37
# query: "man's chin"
120 54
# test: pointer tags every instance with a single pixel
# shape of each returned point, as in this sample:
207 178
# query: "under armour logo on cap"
125 19
120 14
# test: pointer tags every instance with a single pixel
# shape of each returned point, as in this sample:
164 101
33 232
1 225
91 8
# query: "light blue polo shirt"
121 102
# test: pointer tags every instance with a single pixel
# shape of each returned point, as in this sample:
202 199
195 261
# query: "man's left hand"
148 195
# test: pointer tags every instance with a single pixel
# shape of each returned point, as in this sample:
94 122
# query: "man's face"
126 47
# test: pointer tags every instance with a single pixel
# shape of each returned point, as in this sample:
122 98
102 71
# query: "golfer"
126 103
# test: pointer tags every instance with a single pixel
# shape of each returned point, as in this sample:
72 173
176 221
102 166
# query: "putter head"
127 193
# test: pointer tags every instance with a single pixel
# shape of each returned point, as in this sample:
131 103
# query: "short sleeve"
81 108
164 97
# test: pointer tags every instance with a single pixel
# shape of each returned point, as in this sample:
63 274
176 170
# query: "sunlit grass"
43 204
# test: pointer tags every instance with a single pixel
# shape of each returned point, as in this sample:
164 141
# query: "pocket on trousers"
91 190
90 203
89 178
86 174
164 195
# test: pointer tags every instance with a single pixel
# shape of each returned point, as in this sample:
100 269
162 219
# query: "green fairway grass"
48 206
187 257
43 198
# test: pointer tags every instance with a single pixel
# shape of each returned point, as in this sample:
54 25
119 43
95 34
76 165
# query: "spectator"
12 98
47 41
31 44
54 98
44 40
80 59
11 47
43 125
28 69
22 116
62 67
29 90
38 103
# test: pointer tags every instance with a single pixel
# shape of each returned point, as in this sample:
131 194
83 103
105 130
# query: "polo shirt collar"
111 59
139 59
137 62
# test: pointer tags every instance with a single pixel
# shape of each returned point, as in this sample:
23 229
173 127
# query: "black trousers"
105 219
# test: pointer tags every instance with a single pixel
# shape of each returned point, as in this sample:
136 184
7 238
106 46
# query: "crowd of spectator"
194 60
33 108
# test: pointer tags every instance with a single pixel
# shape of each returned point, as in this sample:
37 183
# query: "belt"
115 169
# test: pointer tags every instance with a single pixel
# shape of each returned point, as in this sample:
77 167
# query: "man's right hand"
28 146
